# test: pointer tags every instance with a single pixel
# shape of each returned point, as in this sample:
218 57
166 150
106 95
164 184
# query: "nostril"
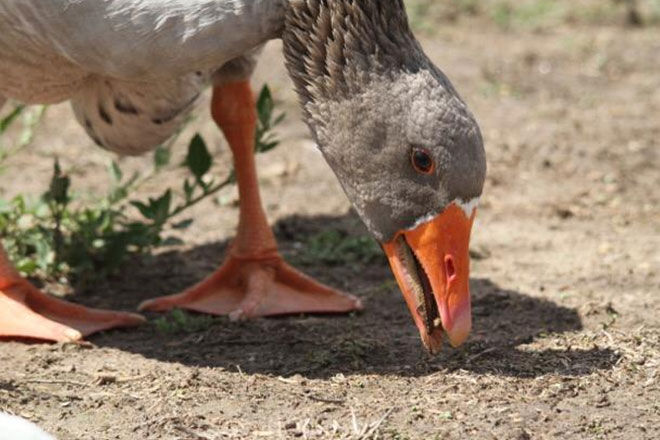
450 268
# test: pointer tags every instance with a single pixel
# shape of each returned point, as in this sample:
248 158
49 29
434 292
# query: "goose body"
17 428
401 141
138 63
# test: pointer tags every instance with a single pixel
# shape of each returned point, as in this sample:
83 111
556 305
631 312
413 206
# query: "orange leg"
254 280
28 313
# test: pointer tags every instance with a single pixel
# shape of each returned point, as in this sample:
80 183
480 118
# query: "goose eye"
422 161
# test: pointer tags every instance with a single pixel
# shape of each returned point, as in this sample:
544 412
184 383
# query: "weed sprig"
53 239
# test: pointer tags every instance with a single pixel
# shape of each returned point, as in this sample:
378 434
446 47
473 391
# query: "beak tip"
460 330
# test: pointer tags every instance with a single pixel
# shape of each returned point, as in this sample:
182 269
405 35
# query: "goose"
17 428
403 144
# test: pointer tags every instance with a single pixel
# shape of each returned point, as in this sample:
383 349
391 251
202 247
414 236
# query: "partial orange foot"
248 288
28 313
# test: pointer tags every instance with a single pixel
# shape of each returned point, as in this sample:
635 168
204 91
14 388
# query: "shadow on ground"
381 340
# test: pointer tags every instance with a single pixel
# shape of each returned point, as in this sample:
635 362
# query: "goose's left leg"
254 279
28 313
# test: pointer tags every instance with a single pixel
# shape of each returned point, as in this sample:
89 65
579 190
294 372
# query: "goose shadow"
381 340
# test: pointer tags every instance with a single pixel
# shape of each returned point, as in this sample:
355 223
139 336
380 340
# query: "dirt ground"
565 275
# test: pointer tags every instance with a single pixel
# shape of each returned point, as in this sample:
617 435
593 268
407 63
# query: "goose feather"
132 69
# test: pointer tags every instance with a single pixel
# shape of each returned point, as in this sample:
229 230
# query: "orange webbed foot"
249 288
254 281
28 313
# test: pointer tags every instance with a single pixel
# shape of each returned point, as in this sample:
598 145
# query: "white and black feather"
133 69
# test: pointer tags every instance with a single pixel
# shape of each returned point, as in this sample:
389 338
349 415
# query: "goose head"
403 144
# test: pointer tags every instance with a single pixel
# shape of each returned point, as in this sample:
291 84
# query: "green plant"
180 321
266 121
25 239
334 247
53 238
30 119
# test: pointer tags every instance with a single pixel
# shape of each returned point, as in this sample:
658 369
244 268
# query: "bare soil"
565 276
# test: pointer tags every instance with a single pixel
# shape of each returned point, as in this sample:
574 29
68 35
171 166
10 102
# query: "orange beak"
431 263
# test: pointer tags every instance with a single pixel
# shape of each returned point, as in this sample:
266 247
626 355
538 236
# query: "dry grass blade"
373 430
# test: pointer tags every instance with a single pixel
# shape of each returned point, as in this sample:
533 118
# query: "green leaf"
188 190
198 160
115 172
264 139
162 157
265 147
162 206
147 211
27 266
59 186
279 119
265 106
335 247
10 118
185 224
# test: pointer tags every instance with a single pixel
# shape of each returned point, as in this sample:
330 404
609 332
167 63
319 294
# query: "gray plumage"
134 69
370 95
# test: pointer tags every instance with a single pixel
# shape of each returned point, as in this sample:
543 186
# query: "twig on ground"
326 400
56 382
377 425
481 353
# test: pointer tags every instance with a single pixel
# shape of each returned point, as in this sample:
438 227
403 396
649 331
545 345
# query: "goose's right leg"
254 280
28 313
